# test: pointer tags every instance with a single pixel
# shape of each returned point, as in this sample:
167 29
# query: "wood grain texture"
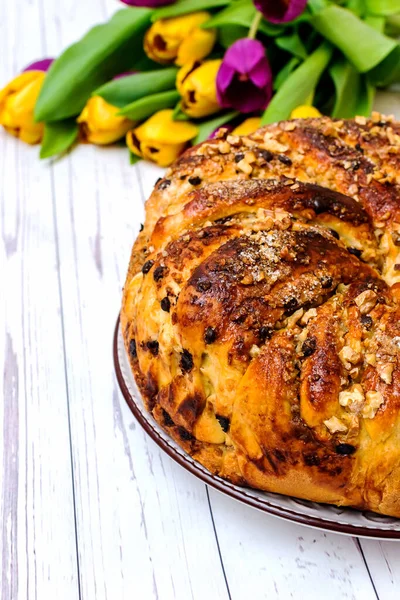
38 543
90 507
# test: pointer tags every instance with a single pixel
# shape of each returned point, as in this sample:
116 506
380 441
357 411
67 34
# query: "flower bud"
244 80
196 83
17 103
305 112
100 123
248 126
160 139
179 39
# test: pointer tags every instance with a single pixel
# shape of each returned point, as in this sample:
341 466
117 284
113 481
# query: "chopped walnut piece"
250 157
290 126
292 320
349 357
373 402
224 147
310 314
272 145
360 120
254 351
370 359
244 166
247 279
385 372
335 425
353 397
366 301
234 140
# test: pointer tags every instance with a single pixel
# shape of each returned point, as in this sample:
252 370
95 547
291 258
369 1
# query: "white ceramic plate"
322 516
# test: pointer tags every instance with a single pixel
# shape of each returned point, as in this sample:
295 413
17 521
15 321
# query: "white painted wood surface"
90 507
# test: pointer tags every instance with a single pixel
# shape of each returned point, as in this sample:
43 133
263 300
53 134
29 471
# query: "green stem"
255 25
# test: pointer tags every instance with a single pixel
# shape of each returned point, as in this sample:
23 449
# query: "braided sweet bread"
261 310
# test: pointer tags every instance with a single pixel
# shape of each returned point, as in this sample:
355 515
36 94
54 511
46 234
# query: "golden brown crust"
261 309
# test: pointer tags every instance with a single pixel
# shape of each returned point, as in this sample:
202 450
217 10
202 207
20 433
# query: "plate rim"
224 487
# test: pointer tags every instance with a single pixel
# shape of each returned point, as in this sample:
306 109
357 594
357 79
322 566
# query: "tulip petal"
224 79
280 11
161 128
244 80
244 55
196 46
40 65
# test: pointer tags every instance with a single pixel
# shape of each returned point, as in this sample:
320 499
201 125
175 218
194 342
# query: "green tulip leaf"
354 93
125 90
292 44
58 137
242 13
376 21
383 7
133 158
284 73
229 34
178 114
207 127
144 107
316 6
103 52
183 7
363 45
388 71
356 6
298 86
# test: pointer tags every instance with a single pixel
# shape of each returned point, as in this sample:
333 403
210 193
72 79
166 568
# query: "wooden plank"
284 560
383 559
139 517
38 545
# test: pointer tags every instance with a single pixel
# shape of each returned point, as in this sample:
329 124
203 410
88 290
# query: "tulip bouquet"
161 75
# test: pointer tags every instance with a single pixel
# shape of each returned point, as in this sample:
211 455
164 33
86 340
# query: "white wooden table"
90 507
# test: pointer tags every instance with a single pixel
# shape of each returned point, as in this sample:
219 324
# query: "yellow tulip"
179 39
100 123
197 86
305 112
17 102
160 139
248 126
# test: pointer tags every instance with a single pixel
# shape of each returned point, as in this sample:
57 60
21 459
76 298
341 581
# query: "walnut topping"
272 145
247 279
360 120
234 140
335 425
310 314
349 357
370 359
352 398
292 320
366 301
250 157
254 351
374 400
244 166
290 126
224 147
385 372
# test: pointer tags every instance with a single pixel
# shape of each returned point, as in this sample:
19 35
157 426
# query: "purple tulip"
280 11
40 65
148 3
244 79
